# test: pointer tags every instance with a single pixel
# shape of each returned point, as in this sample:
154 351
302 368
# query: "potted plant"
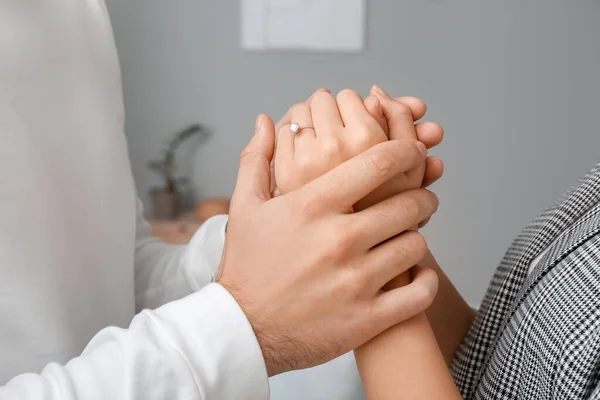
166 200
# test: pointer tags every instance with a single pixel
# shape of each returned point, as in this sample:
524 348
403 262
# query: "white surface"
324 25
76 256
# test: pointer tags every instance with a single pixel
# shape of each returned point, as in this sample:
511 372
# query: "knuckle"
418 246
411 206
320 96
295 107
367 135
350 233
346 93
408 250
425 290
298 107
341 244
407 148
331 148
248 157
373 127
401 109
283 176
382 162
410 147
286 180
362 143
306 205
354 282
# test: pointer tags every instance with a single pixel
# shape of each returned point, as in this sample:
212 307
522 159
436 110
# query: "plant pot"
165 205
212 206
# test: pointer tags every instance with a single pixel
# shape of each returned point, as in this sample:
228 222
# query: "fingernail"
377 89
259 123
422 148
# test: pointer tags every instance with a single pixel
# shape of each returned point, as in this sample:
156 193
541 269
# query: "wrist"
272 347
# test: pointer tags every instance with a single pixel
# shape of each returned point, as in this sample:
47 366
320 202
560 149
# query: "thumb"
253 186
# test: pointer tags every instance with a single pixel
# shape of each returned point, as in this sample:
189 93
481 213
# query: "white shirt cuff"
203 255
211 331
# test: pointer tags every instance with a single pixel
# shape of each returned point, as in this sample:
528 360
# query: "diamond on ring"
294 128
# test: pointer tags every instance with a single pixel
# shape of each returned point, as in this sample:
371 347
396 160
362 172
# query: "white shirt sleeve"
164 272
200 347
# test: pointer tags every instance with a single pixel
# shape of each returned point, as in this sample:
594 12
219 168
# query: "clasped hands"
323 219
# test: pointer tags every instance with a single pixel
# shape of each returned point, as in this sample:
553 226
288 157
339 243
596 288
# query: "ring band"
295 127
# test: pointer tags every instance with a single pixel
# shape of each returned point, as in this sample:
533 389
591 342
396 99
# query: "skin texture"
429 133
308 307
450 316
396 363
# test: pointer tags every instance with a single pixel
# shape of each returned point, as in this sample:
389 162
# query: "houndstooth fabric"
537 336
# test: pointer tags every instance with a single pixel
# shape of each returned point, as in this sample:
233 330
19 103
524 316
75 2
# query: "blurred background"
514 83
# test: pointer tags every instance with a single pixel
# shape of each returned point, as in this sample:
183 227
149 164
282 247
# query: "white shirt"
77 257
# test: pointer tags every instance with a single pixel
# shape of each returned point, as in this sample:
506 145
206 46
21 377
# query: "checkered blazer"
538 336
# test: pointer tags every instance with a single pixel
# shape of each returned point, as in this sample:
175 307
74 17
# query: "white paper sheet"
324 25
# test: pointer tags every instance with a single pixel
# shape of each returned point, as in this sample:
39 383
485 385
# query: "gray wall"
514 83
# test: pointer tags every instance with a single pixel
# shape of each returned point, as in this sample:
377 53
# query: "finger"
284 154
430 133
325 114
394 257
416 105
321 90
287 118
399 117
253 185
301 115
304 139
393 216
434 169
352 180
352 108
373 106
424 223
398 305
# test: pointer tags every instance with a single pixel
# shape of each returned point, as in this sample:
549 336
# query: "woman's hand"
331 132
395 119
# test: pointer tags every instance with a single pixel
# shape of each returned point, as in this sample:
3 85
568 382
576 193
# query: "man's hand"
307 271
